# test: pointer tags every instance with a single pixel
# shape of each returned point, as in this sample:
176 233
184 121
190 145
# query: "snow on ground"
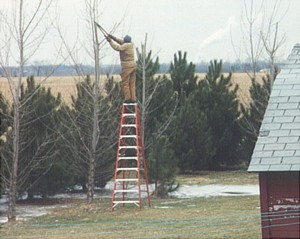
185 191
190 191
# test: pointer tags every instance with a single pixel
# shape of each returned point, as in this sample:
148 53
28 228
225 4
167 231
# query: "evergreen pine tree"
162 167
152 67
182 74
4 138
192 140
81 130
4 117
253 116
39 139
220 105
191 133
160 104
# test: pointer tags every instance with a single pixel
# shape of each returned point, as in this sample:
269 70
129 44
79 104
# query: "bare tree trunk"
14 173
16 137
95 135
147 94
22 31
255 48
15 161
90 139
144 88
271 45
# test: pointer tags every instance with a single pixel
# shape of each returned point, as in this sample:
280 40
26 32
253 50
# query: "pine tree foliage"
4 118
162 167
260 94
192 139
38 139
152 67
160 104
38 129
182 74
253 116
5 134
191 133
160 98
219 103
81 130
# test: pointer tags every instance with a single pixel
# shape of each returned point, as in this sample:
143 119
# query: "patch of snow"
23 212
192 191
162 207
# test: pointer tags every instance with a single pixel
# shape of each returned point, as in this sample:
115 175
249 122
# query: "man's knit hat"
127 39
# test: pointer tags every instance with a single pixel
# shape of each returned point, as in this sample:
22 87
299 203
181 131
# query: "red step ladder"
130 167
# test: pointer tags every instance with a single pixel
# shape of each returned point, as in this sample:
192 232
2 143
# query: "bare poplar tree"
148 91
24 33
250 28
262 41
97 142
272 39
260 24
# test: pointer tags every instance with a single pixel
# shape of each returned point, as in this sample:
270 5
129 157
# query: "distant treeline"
67 70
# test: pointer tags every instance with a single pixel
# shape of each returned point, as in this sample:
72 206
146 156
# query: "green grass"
222 177
231 217
214 217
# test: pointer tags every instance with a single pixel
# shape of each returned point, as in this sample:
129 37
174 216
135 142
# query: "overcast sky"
205 29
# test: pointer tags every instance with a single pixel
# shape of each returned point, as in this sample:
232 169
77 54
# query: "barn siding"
280 204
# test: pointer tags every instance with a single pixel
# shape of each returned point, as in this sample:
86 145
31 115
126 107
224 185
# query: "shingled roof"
278 145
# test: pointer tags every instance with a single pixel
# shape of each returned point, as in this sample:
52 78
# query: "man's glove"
112 37
108 38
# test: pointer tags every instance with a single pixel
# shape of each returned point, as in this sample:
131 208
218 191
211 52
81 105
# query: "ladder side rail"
118 155
123 163
138 139
143 159
123 177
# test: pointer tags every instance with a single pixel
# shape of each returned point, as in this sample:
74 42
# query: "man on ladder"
130 167
128 74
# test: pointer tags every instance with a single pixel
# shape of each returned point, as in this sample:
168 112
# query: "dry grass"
223 177
215 217
66 85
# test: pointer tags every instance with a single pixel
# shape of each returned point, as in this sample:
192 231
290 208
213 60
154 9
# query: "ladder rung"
127 201
128 136
130 103
127 169
130 169
127 180
137 203
126 191
128 147
127 158
128 115
129 125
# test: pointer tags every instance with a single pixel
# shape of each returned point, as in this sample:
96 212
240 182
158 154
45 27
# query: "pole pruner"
102 30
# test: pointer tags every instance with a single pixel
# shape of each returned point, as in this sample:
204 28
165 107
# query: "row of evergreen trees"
190 124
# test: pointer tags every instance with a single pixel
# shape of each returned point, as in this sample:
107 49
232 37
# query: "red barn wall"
280 204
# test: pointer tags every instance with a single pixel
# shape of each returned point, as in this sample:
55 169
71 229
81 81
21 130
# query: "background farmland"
66 85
